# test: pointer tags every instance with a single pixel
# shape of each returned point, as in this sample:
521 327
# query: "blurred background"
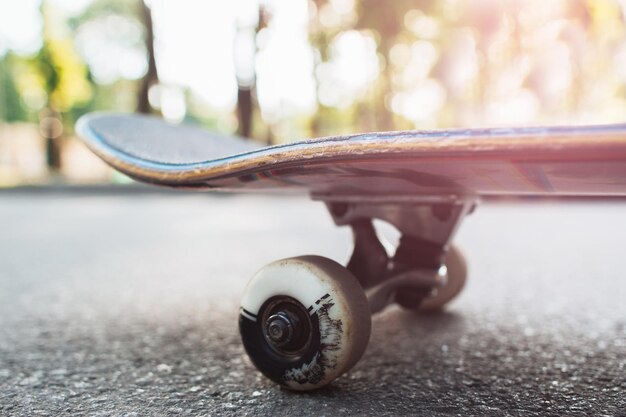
284 70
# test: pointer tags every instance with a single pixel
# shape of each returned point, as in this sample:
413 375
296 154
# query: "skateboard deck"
534 161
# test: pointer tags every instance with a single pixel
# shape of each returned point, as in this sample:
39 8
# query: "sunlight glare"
20 26
110 46
284 66
353 66
194 48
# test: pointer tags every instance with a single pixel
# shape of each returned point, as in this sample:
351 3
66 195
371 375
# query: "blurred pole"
245 109
152 77
250 21
49 117
51 128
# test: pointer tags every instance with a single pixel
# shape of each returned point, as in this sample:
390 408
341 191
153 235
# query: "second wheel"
456 275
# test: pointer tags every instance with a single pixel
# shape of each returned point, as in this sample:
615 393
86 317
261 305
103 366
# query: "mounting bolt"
279 329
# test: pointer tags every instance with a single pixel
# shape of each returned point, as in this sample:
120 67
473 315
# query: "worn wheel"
456 277
453 282
304 321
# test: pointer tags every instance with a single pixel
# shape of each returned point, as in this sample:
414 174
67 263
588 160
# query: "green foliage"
11 105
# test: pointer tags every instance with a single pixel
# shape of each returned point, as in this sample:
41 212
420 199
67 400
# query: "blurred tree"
151 78
382 21
63 78
322 30
116 39
250 21
387 23
63 74
485 62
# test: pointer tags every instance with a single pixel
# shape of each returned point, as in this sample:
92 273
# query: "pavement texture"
126 305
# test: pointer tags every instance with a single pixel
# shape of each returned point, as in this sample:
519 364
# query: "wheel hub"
286 326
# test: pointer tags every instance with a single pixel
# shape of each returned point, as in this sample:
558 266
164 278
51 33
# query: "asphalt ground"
125 304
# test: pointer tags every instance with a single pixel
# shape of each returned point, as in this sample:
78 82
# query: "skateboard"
305 321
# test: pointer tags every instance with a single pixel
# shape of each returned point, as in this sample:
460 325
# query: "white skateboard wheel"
304 321
456 278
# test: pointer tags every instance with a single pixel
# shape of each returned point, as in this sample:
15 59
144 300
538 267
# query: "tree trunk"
245 107
151 78
246 75
51 128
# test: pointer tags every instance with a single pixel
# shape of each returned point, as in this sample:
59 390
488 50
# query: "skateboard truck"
416 270
305 321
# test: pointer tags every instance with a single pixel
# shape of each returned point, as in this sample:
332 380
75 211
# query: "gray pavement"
126 305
